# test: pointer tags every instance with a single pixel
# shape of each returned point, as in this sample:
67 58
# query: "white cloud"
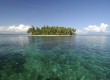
103 29
20 29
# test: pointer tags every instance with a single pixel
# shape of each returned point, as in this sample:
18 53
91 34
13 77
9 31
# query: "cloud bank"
20 29
102 29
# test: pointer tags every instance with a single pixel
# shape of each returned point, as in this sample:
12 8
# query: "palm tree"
32 30
51 30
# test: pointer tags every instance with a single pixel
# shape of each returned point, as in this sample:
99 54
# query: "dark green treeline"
51 30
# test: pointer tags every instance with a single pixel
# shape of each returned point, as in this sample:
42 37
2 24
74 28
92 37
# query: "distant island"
51 30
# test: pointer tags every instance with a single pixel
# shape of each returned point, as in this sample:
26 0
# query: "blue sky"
69 13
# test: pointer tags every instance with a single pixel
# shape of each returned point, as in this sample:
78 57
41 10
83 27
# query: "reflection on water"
54 58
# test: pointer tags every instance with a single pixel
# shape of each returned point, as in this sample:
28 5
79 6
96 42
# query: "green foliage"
51 30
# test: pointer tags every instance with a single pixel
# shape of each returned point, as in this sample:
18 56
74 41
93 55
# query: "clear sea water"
25 57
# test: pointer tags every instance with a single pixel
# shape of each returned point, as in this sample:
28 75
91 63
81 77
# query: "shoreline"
50 35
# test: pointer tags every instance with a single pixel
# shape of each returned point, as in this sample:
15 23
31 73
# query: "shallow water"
54 58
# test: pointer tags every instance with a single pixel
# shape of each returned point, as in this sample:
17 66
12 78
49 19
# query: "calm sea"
25 57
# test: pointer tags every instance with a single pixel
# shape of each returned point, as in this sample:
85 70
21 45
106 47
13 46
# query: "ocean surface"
25 57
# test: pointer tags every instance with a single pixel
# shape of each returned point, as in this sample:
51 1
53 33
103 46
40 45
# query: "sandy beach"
50 35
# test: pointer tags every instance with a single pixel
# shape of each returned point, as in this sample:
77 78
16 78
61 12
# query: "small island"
51 31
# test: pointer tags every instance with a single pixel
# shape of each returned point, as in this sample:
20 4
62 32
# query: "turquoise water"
54 58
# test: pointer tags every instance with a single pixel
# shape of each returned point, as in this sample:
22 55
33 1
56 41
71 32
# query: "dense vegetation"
51 30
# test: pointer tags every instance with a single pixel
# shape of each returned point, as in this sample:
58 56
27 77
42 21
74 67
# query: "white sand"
50 35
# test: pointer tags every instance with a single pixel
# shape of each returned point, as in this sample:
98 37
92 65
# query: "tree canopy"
51 30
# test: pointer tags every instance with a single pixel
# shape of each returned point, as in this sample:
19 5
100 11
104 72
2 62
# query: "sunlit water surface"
54 58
